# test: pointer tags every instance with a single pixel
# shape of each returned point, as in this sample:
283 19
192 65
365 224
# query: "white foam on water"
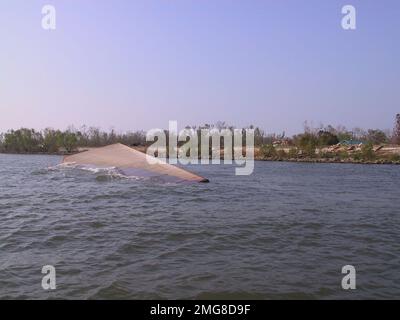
112 172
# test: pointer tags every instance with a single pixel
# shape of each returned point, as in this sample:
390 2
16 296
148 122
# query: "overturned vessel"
132 163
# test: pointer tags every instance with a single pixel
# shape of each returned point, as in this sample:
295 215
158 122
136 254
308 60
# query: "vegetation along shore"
322 144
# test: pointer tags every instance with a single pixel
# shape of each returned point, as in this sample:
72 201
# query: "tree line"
26 140
49 140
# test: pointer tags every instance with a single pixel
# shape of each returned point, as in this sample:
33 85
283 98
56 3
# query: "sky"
129 65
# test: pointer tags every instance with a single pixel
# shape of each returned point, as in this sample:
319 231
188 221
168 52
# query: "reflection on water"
283 232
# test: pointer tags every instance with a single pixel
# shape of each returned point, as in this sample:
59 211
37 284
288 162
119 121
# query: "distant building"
351 142
280 142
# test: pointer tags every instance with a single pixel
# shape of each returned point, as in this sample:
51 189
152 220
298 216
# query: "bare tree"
396 132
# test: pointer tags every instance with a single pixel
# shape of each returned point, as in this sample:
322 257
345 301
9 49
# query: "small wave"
101 173
96 170
222 295
39 172
109 177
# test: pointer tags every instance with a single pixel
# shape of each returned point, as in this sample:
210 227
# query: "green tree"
51 140
69 141
268 151
367 151
326 138
307 143
22 141
376 136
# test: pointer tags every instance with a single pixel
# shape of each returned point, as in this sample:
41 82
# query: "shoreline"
38 153
256 158
331 161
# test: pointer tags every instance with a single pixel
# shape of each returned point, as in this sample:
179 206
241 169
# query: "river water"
284 232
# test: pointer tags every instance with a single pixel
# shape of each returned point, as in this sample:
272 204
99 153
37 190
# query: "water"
284 232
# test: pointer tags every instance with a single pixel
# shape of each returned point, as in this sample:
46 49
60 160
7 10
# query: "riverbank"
377 158
312 160
362 154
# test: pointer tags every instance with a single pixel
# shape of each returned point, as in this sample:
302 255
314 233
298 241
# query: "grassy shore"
365 154
330 160
379 154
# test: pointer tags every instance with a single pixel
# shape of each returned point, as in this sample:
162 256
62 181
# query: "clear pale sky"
137 64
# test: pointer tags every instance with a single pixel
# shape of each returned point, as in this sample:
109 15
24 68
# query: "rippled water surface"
283 232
